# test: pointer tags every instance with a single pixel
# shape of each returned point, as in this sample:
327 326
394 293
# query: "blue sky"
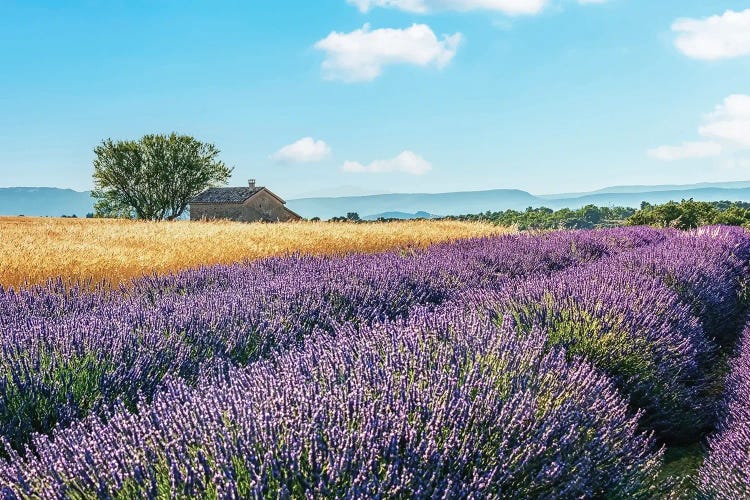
352 96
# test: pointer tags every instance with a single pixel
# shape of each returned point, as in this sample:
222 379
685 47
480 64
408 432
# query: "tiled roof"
225 195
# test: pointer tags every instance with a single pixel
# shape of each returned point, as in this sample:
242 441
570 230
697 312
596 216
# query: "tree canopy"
587 217
685 214
154 178
350 217
688 214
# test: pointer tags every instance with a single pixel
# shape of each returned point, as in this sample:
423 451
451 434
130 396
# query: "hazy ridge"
45 201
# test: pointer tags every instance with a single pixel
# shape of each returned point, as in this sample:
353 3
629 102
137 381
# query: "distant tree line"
689 214
588 217
354 217
686 214
350 217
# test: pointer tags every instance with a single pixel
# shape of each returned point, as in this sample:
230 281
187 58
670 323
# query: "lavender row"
470 263
725 473
65 353
708 269
649 319
647 312
444 406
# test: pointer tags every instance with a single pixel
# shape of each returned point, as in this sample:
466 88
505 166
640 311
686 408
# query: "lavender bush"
709 269
632 327
445 405
636 316
726 472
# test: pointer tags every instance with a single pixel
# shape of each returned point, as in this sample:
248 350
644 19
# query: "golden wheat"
33 250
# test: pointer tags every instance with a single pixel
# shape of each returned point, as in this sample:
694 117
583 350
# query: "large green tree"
154 178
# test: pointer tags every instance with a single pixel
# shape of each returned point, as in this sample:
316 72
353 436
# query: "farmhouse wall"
260 207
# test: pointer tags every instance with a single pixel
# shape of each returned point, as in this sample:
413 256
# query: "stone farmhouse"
245 204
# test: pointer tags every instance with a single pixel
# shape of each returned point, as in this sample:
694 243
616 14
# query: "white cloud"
688 150
407 5
407 162
738 164
730 121
511 7
716 37
727 128
304 150
361 55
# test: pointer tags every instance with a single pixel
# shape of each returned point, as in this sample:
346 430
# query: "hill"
45 201
469 202
654 197
650 189
433 203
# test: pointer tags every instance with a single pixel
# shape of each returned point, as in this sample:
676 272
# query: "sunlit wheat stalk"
33 250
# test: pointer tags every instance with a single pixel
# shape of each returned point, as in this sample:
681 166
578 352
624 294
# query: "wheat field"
34 250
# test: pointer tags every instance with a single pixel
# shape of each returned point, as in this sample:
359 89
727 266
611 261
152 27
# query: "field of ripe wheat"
33 250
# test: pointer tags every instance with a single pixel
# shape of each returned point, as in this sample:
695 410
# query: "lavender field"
555 365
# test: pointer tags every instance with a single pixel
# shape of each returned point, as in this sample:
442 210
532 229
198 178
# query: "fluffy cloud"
407 162
361 55
512 7
304 150
509 7
730 121
688 150
715 37
407 5
727 127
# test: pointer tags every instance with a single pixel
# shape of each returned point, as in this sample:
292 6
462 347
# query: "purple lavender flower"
444 404
726 471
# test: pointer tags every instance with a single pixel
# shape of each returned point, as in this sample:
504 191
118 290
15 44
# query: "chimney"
251 183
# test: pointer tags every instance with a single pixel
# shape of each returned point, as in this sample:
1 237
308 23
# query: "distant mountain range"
656 188
42 201
467 202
